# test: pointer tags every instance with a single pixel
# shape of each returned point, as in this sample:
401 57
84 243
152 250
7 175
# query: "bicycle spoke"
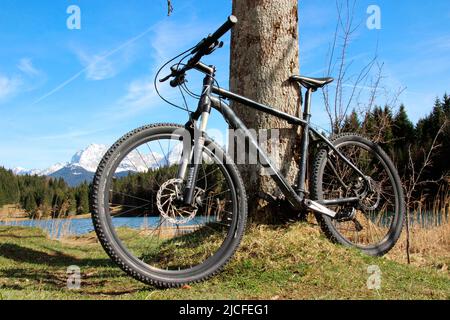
197 232
165 156
128 211
130 196
340 181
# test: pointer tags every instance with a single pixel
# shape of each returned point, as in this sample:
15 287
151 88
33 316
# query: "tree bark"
264 54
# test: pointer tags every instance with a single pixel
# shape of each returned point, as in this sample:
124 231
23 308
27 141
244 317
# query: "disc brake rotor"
171 207
371 199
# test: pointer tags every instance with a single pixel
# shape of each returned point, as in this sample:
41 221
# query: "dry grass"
428 247
429 234
8 212
289 262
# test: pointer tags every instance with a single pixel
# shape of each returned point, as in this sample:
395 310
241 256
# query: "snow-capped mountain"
36 172
22 171
89 158
52 169
136 162
84 163
82 166
73 175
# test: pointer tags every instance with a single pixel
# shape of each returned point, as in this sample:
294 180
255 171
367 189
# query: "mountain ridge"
81 167
87 159
84 163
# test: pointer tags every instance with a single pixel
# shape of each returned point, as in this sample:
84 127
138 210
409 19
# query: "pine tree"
352 123
29 203
82 196
72 203
446 105
404 135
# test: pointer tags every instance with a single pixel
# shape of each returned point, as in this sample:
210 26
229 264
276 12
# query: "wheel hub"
369 194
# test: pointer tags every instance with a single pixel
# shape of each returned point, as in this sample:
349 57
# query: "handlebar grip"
211 39
227 26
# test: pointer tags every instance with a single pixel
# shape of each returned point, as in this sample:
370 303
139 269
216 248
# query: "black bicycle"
170 208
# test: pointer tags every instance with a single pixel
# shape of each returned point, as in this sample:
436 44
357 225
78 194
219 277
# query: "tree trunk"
264 54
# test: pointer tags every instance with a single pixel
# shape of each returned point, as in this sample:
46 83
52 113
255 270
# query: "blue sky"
61 89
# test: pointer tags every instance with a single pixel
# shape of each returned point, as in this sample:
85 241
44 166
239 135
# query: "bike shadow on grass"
33 269
45 268
5 233
182 246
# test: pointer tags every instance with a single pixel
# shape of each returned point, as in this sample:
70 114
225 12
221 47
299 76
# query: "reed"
428 246
429 241
59 228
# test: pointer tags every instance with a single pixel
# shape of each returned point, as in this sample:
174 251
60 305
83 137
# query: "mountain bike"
169 205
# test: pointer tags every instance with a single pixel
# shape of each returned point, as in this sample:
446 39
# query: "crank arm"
318 208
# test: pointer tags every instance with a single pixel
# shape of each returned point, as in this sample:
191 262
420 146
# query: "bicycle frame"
298 198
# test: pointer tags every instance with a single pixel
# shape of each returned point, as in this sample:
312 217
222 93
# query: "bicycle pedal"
317 207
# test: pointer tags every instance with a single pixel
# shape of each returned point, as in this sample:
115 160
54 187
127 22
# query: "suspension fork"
198 136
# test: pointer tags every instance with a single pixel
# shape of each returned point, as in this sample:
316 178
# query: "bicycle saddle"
311 83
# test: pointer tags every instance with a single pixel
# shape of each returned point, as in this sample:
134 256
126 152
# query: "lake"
77 227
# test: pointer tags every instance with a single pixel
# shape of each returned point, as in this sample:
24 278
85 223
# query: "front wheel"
141 220
374 223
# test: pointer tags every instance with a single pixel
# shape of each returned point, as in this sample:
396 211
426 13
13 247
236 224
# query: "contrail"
78 74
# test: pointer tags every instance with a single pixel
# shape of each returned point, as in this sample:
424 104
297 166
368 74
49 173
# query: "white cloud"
169 39
140 93
96 61
9 86
25 79
26 66
97 67
103 65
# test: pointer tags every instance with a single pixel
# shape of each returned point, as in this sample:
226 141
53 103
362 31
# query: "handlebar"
211 39
204 47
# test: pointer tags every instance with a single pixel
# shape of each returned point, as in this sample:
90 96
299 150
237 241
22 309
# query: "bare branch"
415 179
350 84
169 8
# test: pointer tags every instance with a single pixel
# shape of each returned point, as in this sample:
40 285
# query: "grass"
429 247
429 234
293 262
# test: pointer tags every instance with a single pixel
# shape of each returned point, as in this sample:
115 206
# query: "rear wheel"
141 221
373 224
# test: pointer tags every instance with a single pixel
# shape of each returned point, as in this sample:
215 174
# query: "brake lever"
165 78
199 45
174 70
217 45
179 80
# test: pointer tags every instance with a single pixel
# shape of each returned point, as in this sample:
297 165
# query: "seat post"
307 111
301 186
